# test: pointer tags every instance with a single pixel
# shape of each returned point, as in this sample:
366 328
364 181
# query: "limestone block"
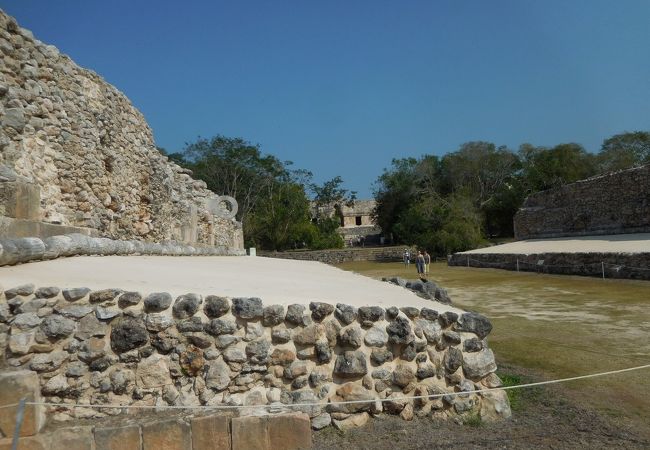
289 431
122 438
76 438
210 432
25 443
166 435
20 200
250 433
13 387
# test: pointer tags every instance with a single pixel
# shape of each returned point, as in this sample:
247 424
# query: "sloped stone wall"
127 348
75 152
614 203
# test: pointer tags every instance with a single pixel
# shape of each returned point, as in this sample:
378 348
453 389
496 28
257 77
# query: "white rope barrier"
347 402
518 263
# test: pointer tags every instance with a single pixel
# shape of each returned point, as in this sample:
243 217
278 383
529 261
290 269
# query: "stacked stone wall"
75 152
386 254
111 347
614 203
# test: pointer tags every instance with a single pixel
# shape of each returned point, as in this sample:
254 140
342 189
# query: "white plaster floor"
275 281
615 243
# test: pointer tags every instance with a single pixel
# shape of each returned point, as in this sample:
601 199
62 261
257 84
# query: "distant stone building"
357 226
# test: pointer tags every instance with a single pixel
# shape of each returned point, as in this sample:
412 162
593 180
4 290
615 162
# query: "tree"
625 150
545 168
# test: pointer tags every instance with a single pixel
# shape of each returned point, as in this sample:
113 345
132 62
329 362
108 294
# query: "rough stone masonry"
75 155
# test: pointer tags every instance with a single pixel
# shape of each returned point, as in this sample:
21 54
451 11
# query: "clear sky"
342 87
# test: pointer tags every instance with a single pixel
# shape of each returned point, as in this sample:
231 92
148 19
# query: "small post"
468 261
517 264
602 264
20 415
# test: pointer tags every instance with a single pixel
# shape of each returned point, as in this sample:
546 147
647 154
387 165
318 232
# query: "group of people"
422 261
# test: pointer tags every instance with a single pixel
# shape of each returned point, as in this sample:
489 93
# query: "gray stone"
379 356
89 327
157 322
453 359
31 306
47 292
221 326
323 352
234 354
157 302
5 312
351 364
163 342
225 340
399 331
23 290
186 306
429 314
370 314
305 396
320 310
308 335
479 364
280 335
103 313
47 362
218 375
200 340
409 352
392 312
192 325
351 336
57 327
104 295
321 421
345 313
273 315
473 345
447 318
129 299
14 118
403 375
74 311
381 374
76 369
247 308
215 307
258 351
254 330
295 314
74 294
425 371
376 337
427 329
128 334
451 337
26 321
476 323
411 312
91 350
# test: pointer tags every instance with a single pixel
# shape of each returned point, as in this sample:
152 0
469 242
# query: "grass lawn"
558 326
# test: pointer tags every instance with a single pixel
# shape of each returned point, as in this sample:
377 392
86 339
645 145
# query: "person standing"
419 264
407 257
427 261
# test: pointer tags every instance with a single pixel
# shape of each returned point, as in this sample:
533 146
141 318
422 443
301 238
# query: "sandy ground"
616 243
278 281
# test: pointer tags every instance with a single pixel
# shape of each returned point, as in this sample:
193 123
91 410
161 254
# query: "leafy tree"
625 150
546 168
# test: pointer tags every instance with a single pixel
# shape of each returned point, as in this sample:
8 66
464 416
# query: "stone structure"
613 203
111 347
357 222
337 256
76 156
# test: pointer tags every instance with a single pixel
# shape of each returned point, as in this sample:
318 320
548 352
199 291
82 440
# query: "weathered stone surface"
250 433
192 361
26 321
106 313
129 299
234 354
295 314
345 313
166 435
258 351
23 290
351 336
74 311
280 335
120 438
247 308
479 364
191 325
322 421
157 322
367 315
153 372
47 292
403 375
472 345
218 375
410 311
128 334
273 315
210 432
453 359
429 314
92 349
215 307
476 323
72 295
221 326
352 392
351 364
376 336
289 431
201 340
282 357
323 352
104 295
320 310
428 329
399 331
47 362
447 318
57 327
354 421
157 302
495 406
186 306
308 335
379 356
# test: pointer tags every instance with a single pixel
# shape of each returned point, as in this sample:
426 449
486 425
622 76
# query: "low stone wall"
111 347
22 250
338 256
615 265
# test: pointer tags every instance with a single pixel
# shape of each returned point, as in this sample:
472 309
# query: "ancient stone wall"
342 255
76 153
111 347
614 203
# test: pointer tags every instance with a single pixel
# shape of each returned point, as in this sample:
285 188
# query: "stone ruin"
77 157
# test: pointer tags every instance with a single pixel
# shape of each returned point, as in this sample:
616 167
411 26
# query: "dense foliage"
457 201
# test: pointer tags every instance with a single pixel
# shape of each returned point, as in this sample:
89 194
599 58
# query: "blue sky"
342 87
